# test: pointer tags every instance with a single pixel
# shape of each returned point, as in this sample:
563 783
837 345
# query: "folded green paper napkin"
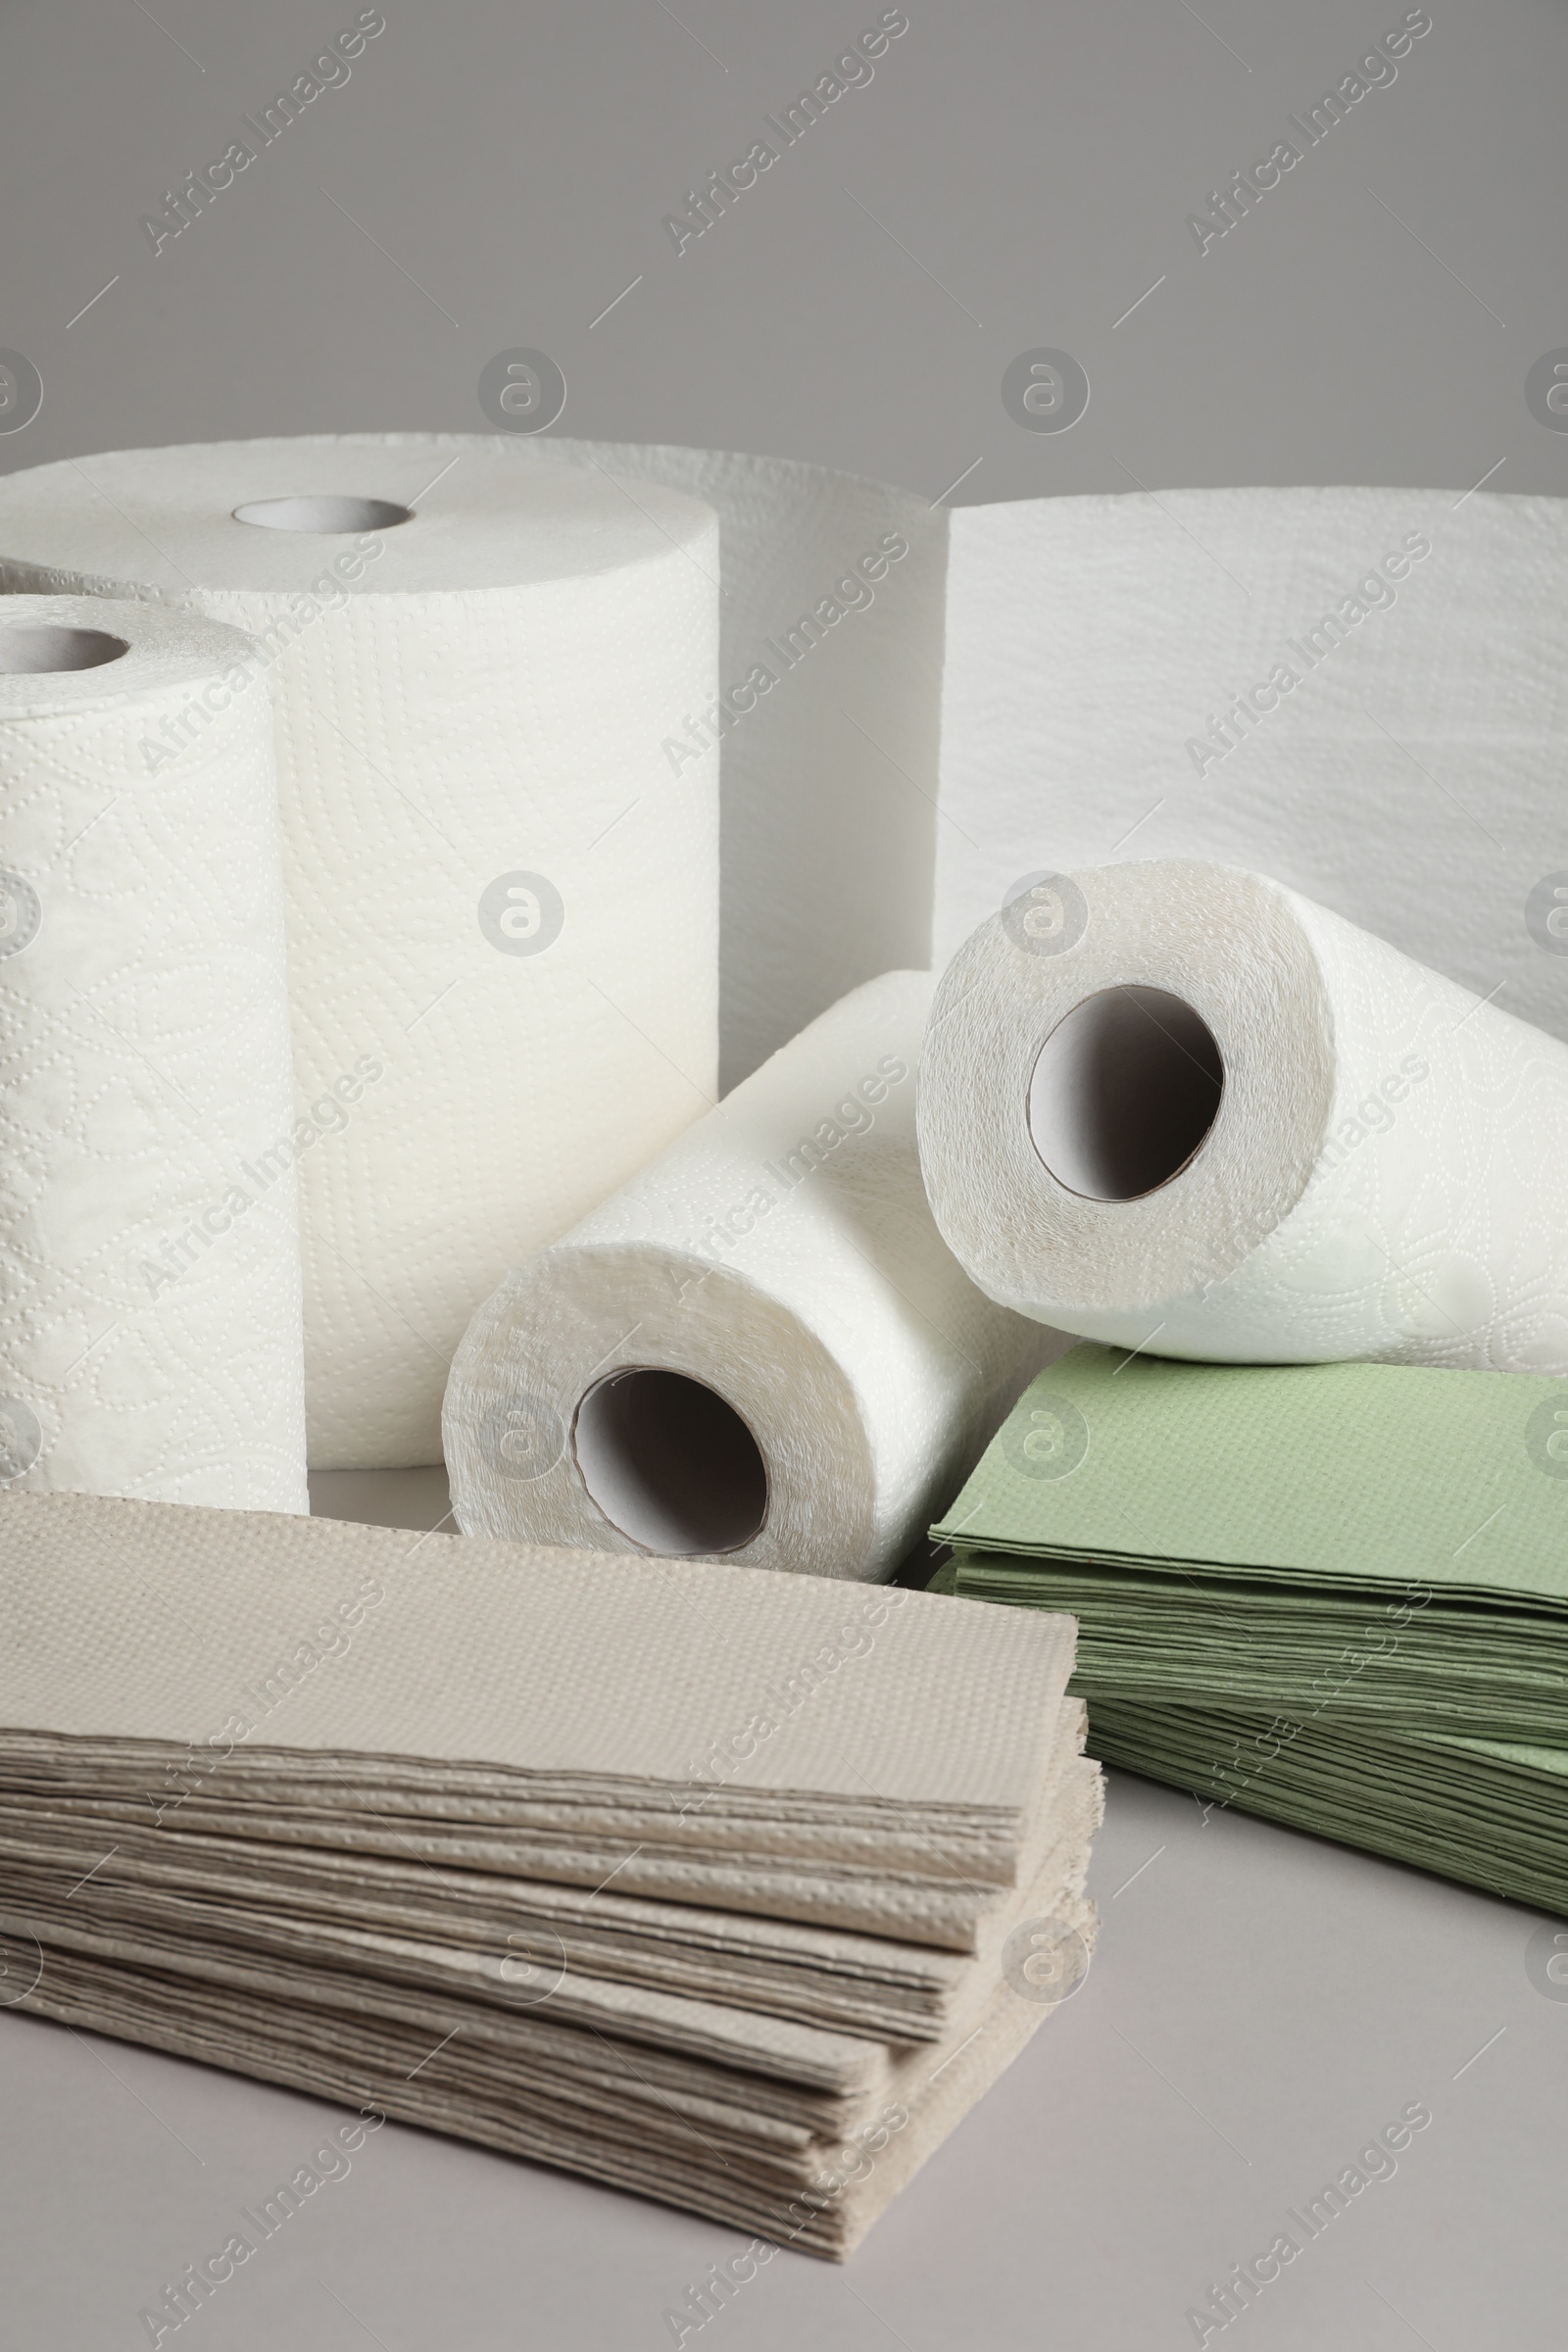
1489 1815
1375 1540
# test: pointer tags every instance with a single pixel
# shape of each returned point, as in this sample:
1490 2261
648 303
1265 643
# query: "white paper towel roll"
502 901
1109 687
150 1334
1361 692
1179 1107
827 701
830 680
761 1345
1106 668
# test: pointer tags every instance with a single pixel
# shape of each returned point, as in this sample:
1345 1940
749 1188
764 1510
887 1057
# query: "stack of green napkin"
1335 1594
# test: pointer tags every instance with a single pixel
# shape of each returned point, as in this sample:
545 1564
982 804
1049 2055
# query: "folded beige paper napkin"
697 1878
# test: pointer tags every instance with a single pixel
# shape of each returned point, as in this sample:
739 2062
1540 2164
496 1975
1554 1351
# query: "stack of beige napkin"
734 1888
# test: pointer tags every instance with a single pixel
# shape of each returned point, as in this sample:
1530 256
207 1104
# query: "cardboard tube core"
1124 1091
670 1462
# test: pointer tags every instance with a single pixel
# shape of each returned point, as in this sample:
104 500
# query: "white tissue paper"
150 1334
1115 681
502 902
1356 690
1360 691
761 1346
828 717
1179 1107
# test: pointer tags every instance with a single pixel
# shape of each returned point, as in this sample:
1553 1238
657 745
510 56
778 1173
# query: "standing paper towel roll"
503 905
1359 690
150 1335
761 1345
1178 1108
830 680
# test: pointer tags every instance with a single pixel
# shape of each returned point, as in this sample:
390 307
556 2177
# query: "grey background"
1030 172
1011 178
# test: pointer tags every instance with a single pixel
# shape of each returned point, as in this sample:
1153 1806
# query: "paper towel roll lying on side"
1179 1107
501 899
761 1345
150 1334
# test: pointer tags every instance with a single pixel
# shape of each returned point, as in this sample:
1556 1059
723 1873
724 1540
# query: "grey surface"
1013 178
384 1497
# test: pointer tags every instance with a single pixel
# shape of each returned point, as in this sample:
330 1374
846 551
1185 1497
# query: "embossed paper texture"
1335 1594
1384 1171
1356 690
472 692
555 1850
782 1252
150 1331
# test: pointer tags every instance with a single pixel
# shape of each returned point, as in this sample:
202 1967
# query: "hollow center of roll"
670 1463
1123 1092
27 647
325 514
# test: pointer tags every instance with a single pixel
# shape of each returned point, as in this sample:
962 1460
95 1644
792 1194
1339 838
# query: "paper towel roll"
502 902
1107 675
1179 1107
830 678
1109 686
1360 691
761 1345
150 1337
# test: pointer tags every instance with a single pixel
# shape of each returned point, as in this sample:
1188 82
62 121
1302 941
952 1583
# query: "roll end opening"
30 648
324 516
1124 1092
670 1462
